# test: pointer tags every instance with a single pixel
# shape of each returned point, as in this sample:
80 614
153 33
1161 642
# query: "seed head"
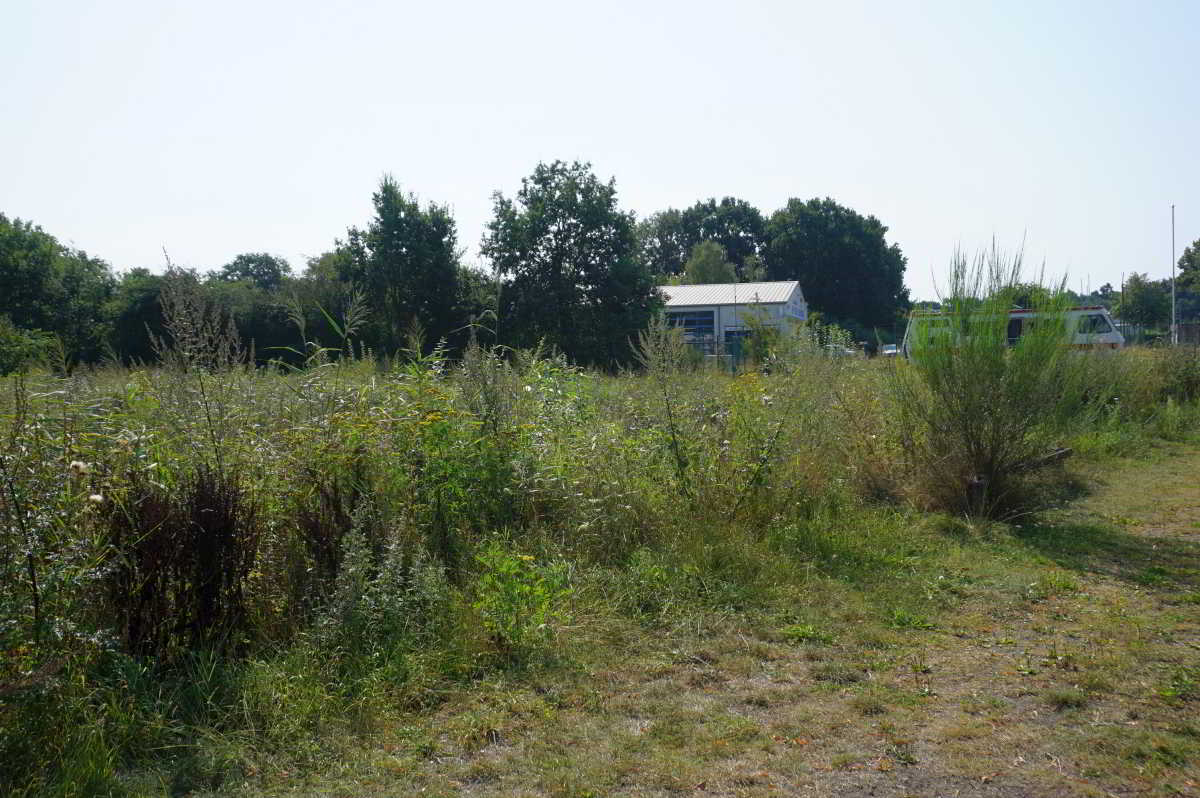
96 498
79 468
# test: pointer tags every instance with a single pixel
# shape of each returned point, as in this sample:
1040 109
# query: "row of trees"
570 269
1147 303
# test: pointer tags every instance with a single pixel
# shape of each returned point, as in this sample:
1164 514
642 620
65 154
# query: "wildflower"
96 498
79 468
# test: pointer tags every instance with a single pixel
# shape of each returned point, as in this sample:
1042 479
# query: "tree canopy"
666 239
1188 278
407 262
846 268
1144 302
268 272
45 286
573 279
570 268
708 264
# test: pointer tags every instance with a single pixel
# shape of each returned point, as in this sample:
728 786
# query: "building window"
697 324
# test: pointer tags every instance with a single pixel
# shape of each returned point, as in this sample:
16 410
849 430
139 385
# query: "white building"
713 316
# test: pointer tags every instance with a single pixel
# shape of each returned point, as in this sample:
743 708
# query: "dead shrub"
178 563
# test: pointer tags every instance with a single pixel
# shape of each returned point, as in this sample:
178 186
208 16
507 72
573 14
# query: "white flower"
96 498
79 468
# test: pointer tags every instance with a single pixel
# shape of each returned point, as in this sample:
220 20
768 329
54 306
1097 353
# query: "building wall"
731 317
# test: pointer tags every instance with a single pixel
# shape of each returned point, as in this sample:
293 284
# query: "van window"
1014 330
1094 324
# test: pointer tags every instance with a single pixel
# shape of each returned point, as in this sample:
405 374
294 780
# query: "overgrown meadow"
206 568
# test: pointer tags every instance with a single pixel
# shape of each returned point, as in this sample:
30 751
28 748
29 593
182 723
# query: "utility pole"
1174 318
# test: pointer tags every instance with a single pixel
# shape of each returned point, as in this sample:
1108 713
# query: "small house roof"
730 293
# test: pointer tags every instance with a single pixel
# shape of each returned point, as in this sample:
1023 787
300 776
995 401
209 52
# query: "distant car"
889 350
836 350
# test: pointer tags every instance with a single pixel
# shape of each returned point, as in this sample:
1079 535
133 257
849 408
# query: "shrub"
178 563
518 599
977 412
1178 368
20 347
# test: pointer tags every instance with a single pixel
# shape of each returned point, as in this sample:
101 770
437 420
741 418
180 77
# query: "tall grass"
246 565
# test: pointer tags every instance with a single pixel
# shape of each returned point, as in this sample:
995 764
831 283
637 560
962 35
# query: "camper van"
1090 327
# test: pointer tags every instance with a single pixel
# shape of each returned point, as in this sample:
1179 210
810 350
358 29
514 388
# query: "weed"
902 753
976 411
1183 686
180 563
845 760
1066 698
869 704
903 619
806 633
837 673
1052 584
518 599
252 573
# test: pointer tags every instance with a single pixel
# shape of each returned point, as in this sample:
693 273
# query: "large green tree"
135 315
1144 302
573 279
735 224
708 264
407 262
1188 277
1188 283
28 273
85 286
663 243
267 272
846 268
49 287
666 239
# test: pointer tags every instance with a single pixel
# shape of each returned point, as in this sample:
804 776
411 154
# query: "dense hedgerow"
283 556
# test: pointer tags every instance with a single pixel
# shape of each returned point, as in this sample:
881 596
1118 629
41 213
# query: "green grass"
522 577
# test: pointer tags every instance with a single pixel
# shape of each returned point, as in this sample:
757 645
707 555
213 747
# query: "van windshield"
1094 324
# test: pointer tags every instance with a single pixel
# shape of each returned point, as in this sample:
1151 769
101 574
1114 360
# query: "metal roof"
729 293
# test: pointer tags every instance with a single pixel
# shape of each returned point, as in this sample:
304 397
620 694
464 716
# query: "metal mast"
1174 318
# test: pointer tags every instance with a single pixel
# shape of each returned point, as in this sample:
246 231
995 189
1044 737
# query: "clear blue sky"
216 128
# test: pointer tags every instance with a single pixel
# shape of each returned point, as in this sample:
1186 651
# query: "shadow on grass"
1102 549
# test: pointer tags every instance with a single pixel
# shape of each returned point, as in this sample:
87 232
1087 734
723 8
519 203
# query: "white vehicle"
1091 327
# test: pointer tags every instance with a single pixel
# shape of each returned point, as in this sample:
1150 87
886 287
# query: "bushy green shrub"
18 347
979 412
1178 369
518 599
